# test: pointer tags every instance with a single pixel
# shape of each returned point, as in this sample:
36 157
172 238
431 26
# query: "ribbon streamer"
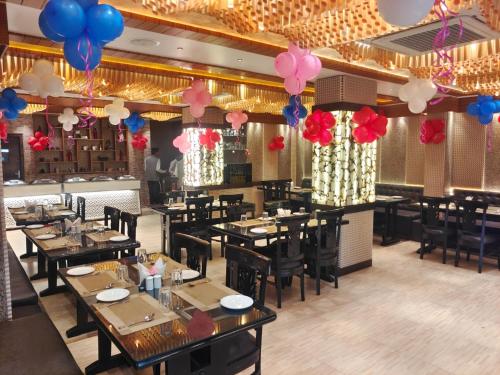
121 137
296 112
489 137
51 132
87 117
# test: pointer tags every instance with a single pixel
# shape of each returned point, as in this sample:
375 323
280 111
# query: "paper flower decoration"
432 131
371 127
236 119
68 119
39 142
116 111
139 142
276 144
296 66
42 81
209 139
318 127
3 130
182 143
417 92
294 111
198 97
11 104
134 122
484 108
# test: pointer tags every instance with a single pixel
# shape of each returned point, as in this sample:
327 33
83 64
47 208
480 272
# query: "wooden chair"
323 249
227 201
469 236
177 196
68 200
128 227
243 268
80 208
112 217
197 252
434 230
199 217
233 213
196 193
272 207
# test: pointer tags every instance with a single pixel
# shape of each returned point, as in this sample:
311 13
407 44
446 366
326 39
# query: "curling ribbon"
489 137
87 118
296 112
51 132
121 137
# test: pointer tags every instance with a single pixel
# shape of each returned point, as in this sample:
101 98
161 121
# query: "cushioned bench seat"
32 345
23 293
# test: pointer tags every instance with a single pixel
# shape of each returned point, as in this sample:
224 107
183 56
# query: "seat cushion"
412 215
474 239
242 352
23 293
32 345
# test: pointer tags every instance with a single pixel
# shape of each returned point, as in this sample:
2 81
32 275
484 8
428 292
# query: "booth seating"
24 297
490 197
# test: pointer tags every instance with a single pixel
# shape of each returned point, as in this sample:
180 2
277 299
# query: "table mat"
96 237
45 230
111 265
247 224
89 285
121 315
203 294
58 243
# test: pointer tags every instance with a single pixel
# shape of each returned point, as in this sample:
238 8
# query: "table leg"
179 365
389 237
163 234
53 288
105 360
29 250
82 322
41 271
168 235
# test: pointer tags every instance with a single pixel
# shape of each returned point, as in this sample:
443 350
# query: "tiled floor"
403 316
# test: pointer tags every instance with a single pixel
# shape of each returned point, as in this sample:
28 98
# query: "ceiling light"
240 60
180 49
143 42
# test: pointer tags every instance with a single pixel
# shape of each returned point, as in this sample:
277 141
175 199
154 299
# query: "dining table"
23 218
54 246
390 205
192 332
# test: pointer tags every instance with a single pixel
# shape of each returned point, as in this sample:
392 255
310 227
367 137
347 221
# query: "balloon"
432 131
53 86
139 142
29 82
47 31
317 127
486 119
68 119
438 138
307 67
371 125
182 143
427 88
75 56
135 122
86 4
43 68
65 17
404 13
9 94
285 64
473 109
295 50
277 143
236 118
209 139
486 108
294 85
197 110
290 109
417 105
104 23
198 97
116 111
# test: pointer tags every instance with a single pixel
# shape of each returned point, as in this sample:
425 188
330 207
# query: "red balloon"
32 141
438 138
325 138
38 134
432 131
38 147
371 125
317 127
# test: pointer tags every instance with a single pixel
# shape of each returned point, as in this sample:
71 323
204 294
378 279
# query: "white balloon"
42 81
116 111
29 82
427 88
114 119
68 119
403 93
43 68
404 12
417 105
53 85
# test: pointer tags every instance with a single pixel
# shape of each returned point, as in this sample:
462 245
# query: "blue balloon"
77 50
11 115
497 106
473 109
9 94
18 104
487 107
47 31
134 122
104 23
4 104
86 4
289 111
486 119
65 17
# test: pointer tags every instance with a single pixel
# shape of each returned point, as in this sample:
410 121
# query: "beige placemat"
248 223
204 294
58 243
122 315
29 216
97 237
89 285
45 230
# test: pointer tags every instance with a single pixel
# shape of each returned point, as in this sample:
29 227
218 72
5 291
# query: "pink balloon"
198 85
182 143
189 96
285 64
294 85
204 98
197 110
296 50
307 67
236 118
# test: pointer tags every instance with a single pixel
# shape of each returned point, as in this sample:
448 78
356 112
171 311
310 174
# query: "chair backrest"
177 196
268 189
68 200
128 225
290 232
80 207
228 200
197 251
112 217
328 235
243 267
233 213
430 211
199 209
282 189
196 193
306 183
467 214
272 206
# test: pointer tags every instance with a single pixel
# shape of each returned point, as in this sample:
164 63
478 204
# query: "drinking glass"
58 228
122 272
265 215
89 226
170 202
176 282
302 210
38 212
100 231
142 256
243 217
165 298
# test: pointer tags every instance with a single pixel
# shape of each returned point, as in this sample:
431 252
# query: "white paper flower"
116 111
68 119
42 81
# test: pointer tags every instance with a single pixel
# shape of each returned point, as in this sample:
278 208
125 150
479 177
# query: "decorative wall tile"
345 89
414 160
356 239
393 152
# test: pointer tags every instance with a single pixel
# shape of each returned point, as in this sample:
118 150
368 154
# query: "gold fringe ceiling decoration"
97 111
160 116
33 108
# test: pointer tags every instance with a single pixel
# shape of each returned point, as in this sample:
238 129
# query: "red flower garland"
371 127
139 142
318 125
432 131
39 142
209 139
276 144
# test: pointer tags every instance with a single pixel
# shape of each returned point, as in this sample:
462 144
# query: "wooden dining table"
390 205
67 248
174 335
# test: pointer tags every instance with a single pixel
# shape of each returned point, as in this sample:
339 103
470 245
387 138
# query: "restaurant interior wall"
163 134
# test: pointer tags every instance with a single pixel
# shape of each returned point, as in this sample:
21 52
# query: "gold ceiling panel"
33 108
160 116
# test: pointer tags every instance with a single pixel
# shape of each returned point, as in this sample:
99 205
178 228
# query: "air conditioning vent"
419 40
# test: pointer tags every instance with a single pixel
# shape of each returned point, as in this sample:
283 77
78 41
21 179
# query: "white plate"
20 212
299 213
35 226
48 236
258 230
189 274
119 238
236 302
80 271
265 219
112 295
397 196
67 212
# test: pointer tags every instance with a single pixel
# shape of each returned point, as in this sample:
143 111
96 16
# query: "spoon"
148 318
109 286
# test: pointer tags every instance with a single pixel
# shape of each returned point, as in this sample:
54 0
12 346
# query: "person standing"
152 166
176 169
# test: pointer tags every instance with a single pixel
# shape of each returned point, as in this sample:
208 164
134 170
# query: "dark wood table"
150 348
59 213
48 258
390 206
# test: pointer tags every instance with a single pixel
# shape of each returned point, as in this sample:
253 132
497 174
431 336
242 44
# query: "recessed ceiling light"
240 60
180 49
145 42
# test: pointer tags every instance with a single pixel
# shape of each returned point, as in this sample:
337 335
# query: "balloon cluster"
84 26
209 139
198 97
317 127
68 119
417 92
3 129
182 143
432 131
294 111
276 144
236 119
39 142
135 122
371 127
11 104
139 141
404 13
116 111
297 66
484 108
42 81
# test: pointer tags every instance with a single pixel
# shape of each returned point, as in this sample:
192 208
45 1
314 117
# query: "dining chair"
244 268
323 247
471 237
226 201
80 207
196 193
112 217
68 201
177 196
282 189
199 217
273 206
197 252
434 229
287 252
128 227
306 183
